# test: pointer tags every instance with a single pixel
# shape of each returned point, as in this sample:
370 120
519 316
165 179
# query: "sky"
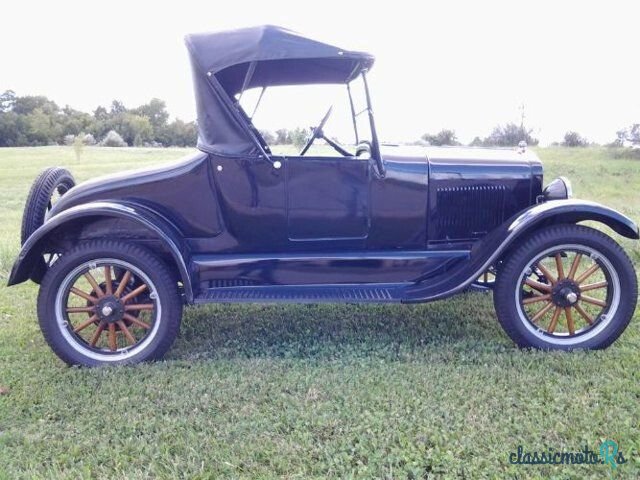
462 65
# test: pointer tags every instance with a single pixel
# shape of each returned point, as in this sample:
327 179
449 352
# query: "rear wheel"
109 302
566 287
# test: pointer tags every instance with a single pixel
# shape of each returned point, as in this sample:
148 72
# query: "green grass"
302 391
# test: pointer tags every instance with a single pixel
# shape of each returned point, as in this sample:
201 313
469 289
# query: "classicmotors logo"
608 453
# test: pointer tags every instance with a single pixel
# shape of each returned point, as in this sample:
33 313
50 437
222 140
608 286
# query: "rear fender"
157 225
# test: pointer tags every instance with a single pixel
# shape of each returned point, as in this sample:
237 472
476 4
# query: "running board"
373 293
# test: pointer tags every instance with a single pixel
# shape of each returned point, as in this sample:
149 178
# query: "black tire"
75 347
50 181
566 290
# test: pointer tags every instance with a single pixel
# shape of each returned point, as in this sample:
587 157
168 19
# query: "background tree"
73 121
155 111
299 136
178 134
7 100
476 142
574 139
268 137
42 128
443 137
509 135
283 137
112 139
630 134
134 129
30 103
117 107
13 129
36 120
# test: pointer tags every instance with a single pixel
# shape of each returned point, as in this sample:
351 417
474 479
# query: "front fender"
497 243
574 211
152 221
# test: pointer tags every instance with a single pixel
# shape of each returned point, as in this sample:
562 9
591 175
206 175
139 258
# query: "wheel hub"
110 309
565 293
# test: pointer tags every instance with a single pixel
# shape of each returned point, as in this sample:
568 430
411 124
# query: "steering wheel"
316 132
363 149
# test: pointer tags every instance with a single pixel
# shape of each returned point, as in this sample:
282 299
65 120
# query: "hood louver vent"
470 211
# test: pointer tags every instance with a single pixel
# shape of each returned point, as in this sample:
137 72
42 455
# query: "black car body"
237 223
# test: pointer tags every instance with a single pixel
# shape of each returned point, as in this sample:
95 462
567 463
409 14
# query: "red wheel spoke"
570 325
547 274
123 283
84 295
541 287
94 284
587 273
559 266
537 298
134 320
113 344
96 334
574 266
584 314
593 301
127 333
85 324
554 320
594 286
81 309
134 293
108 281
542 312
139 306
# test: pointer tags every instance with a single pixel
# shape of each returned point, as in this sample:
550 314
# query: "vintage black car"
117 257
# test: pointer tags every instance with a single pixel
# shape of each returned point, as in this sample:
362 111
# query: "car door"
327 200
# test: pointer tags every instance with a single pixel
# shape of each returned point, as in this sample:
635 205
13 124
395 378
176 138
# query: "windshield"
285 115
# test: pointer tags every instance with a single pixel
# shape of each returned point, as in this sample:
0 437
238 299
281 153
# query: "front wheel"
108 302
566 287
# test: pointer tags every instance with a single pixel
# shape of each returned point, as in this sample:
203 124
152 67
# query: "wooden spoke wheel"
568 291
567 287
121 310
108 302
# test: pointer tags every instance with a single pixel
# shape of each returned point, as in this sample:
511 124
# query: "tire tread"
503 294
135 254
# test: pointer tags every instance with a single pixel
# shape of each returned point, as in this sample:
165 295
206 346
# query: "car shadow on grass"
330 331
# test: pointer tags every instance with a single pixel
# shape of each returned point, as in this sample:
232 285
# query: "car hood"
472 155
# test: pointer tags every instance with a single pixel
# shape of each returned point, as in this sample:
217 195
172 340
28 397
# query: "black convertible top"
227 63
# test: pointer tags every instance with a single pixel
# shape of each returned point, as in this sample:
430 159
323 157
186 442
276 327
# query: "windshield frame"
375 145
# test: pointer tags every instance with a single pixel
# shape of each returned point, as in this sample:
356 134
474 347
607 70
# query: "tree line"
34 120
510 135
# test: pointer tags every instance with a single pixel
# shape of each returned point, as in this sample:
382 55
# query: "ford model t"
117 257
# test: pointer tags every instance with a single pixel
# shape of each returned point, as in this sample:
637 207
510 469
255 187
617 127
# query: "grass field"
425 391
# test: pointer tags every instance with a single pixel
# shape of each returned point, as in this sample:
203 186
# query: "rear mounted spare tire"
47 188
51 184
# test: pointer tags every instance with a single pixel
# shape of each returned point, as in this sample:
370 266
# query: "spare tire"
51 184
